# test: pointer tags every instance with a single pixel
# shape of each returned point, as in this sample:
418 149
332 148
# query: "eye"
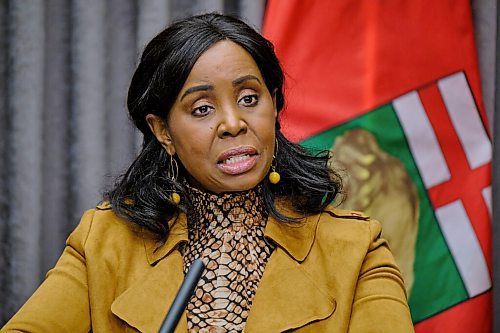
201 111
249 100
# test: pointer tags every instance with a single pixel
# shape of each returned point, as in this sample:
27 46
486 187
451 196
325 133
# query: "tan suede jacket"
327 274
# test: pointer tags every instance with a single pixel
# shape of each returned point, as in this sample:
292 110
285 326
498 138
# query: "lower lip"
238 167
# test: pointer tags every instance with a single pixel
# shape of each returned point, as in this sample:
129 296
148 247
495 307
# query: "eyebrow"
208 87
242 79
204 87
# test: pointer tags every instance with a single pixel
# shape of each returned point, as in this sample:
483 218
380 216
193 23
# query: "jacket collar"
144 304
178 233
288 296
295 238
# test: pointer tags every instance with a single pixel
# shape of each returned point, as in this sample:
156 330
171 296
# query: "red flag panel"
344 57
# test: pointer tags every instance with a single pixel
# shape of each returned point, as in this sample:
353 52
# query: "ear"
159 128
273 95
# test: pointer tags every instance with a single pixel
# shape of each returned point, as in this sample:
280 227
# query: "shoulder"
343 240
101 226
104 217
346 226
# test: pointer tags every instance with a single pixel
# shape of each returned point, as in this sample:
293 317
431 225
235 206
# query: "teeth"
236 159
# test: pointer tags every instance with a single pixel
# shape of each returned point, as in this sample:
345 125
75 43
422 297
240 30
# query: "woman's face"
221 125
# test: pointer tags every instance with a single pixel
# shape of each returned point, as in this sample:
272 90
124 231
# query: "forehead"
224 58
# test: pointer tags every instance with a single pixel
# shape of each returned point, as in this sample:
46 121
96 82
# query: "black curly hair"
142 194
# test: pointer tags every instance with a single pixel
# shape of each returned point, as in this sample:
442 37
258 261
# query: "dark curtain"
64 133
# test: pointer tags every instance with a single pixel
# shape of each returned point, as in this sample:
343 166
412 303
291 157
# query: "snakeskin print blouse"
227 232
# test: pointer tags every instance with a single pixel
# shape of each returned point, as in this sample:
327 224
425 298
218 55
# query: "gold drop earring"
175 198
274 177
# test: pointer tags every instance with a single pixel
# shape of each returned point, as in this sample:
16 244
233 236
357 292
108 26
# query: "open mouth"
238 160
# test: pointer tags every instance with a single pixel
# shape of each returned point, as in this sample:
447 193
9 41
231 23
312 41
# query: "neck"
246 207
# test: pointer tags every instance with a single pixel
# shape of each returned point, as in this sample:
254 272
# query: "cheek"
269 133
193 150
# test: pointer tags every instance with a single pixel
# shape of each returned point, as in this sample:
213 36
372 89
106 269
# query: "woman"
217 179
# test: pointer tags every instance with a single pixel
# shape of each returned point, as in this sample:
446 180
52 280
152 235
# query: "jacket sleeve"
61 303
380 301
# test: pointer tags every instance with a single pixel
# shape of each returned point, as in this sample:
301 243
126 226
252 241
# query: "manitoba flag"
421 165
392 89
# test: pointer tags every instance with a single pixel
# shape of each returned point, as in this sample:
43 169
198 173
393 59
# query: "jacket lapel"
146 302
287 296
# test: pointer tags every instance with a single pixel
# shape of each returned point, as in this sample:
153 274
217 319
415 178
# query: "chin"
242 185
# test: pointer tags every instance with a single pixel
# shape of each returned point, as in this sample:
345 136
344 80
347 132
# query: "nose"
231 122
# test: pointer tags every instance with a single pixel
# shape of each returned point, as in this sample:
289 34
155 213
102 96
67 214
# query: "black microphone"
183 296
